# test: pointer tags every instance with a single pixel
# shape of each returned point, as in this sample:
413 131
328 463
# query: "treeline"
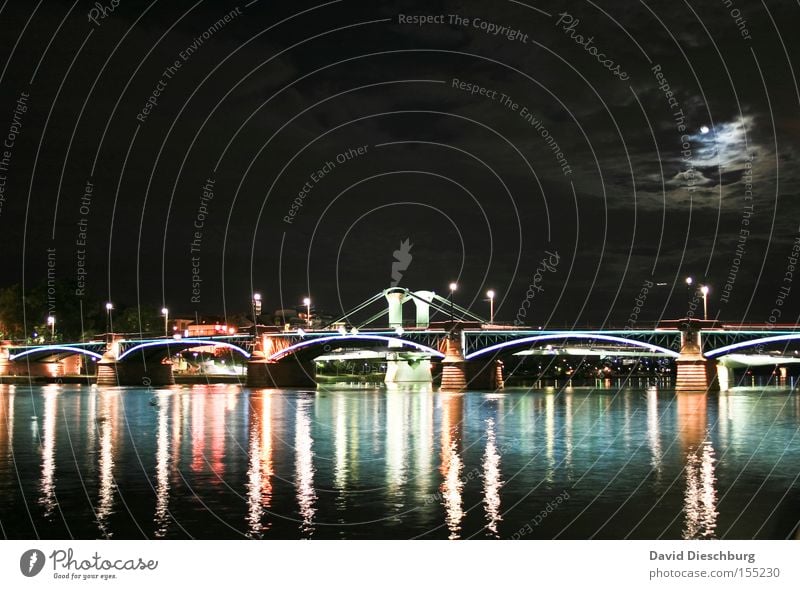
24 317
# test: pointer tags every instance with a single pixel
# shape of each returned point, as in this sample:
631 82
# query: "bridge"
461 349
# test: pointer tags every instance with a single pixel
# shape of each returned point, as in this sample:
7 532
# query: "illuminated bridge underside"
615 353
313 347
745 360
163 348
716 344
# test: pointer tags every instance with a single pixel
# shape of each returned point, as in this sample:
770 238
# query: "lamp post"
453 288
704 290
490 294
51 321
307 303
109 324
256 312
165 313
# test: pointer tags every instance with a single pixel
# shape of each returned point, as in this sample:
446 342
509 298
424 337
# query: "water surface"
223 461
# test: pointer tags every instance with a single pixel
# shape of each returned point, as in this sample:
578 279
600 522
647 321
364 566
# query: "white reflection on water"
452 485
106 425
47 484
423 418
340 443
304 468
260 469
550 436
700 498
654 432
396 432
491 480
162 467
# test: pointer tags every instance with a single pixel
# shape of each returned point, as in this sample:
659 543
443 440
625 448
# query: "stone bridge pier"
695 372
136 371
459 374
287 373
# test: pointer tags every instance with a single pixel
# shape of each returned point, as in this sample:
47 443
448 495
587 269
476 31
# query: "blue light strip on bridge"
305 344
568 335
751 343
56 349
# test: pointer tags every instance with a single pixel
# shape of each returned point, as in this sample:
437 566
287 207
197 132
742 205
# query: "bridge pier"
288 373
454 369
111 372
695 373
485 375
459 374
725 376
407 370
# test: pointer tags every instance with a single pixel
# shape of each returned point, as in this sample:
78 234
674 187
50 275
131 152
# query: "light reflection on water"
219 461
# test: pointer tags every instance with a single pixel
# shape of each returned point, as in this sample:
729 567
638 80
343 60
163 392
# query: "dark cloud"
260 106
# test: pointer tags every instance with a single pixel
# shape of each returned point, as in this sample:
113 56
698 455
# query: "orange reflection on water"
452 465
198 417
260 468
6 420
700 495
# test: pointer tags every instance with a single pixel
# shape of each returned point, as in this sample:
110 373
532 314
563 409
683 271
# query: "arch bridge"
465 348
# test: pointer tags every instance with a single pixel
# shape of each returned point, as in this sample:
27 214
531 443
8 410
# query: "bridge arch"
305 344
46 351
787 337
566 336
182 344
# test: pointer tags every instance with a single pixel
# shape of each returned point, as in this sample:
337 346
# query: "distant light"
704 129
704 289
256 296
453 287
342 330
398 330
165 311
306 301
51 320
354 331
689 280
490 294
109 306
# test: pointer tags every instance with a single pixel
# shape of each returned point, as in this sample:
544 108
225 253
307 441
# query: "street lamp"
109 325
51 321
256 312
704 290
453 288
165 313
490 294
307 303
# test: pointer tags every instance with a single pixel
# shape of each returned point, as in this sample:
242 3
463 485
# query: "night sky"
589 149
